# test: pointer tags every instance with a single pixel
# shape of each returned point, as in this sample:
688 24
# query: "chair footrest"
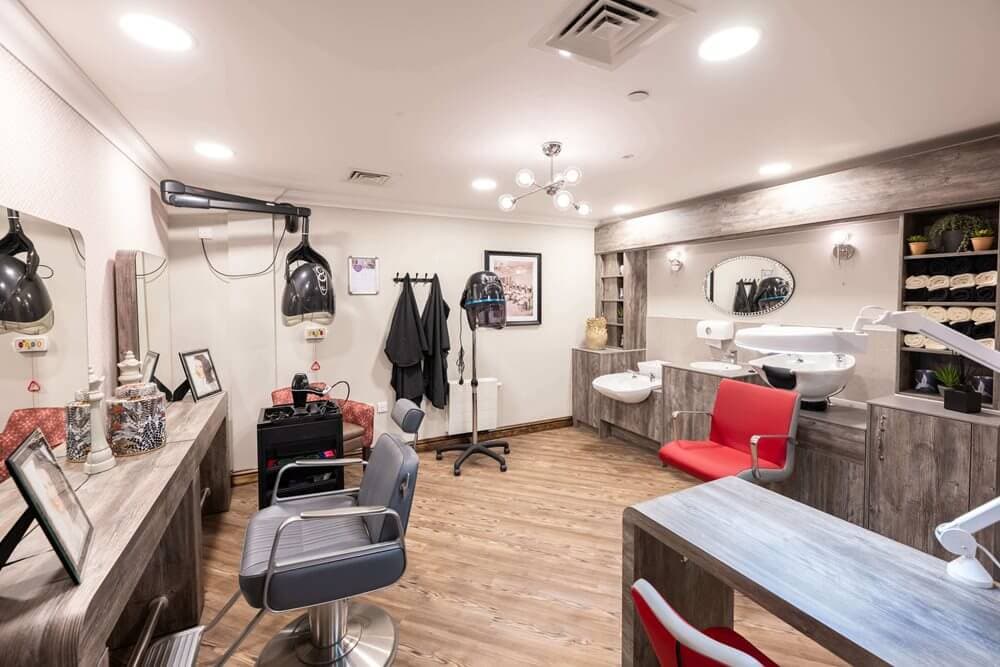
177 650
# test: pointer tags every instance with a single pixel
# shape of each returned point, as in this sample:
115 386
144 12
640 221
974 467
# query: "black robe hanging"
434 321
406 346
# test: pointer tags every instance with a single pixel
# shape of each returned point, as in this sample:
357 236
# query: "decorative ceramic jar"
597 333
78 429
137 424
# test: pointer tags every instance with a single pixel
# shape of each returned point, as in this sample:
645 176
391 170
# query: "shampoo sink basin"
814 376
715 366
627 387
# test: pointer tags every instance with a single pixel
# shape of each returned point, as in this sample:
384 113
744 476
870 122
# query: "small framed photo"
362 275
149 363
200 373
52 501
520 274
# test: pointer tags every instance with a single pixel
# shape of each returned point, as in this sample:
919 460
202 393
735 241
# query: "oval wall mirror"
749 285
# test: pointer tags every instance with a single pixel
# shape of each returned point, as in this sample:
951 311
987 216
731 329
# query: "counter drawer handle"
881 438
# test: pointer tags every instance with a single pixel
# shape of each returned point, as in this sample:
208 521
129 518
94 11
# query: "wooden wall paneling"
645 418
586 366
215 472
687 390
968 172
985 485
635 300
126 303
918 475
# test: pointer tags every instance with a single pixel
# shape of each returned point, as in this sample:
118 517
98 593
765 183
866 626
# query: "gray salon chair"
318 551
408 417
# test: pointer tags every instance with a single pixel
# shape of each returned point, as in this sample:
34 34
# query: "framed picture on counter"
51 501
520 274
200 372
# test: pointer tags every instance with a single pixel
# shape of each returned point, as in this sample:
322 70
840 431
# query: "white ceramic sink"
628 387
815 376
715 366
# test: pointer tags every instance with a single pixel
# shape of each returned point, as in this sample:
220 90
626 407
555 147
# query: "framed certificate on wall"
362 275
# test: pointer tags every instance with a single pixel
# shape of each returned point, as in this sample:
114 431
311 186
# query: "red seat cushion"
730 638
708 460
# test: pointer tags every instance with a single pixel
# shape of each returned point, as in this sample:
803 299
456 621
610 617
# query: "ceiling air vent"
368 177
609 32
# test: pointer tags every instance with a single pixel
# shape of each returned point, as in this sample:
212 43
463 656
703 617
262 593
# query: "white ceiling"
439 92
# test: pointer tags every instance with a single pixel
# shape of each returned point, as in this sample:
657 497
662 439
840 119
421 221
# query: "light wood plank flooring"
515 568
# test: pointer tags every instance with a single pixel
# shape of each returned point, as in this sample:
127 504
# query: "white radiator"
460 405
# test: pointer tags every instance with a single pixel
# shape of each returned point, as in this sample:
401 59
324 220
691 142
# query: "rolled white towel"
917 282
959 314
962 280
937 313
917 309
986 279
938 282
983 315
914 340
988 342
932 344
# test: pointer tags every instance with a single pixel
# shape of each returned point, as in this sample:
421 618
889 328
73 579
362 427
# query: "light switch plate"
30 344
314 332
206 233
382 407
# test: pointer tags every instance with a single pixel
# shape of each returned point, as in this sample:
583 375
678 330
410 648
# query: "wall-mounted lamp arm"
175 193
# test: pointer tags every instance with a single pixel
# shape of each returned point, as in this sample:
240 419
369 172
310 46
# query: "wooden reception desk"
146 543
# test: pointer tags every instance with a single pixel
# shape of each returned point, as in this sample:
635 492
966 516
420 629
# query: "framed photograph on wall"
51 501
521 276
362 275
200 372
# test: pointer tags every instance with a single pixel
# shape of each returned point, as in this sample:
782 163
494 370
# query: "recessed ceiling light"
622 209
484 184
155 32
638 95
774 169
213 150
565 54
729 43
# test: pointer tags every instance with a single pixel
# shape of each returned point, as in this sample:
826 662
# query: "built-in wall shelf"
911 359
621 297
946 255
612 277
615 324
613 300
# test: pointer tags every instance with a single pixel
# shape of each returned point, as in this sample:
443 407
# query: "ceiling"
440 92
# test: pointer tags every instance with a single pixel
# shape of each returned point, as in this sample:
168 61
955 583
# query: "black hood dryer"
308 295
25 305
485 306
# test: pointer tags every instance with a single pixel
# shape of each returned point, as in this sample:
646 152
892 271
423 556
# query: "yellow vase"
597 333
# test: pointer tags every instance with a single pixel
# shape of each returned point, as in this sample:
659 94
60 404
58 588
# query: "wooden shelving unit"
910 359
621 297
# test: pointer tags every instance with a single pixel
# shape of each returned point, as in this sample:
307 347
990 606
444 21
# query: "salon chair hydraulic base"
476 448
345 634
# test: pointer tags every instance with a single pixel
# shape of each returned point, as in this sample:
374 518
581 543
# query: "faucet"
731 356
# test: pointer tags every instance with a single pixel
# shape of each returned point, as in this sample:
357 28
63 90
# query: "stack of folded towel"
916 288
962 287
985 320
938 288
960 319
986 286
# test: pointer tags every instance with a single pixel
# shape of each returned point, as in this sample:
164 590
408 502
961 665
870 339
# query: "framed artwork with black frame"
202 378
520 274
51 501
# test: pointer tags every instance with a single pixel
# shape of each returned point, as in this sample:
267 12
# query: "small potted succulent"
918 244
959 396
951 233
982 238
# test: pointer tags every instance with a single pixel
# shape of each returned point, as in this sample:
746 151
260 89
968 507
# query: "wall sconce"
842 248
676 259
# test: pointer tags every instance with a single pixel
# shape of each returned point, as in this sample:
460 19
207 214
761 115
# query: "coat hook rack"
415 278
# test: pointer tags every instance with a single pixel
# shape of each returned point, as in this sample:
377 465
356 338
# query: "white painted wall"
826 293
240 319
56 166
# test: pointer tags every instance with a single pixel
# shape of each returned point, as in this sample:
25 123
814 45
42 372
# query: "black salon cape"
435 324
406 346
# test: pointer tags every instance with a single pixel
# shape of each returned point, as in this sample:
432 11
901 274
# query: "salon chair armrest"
755 439
677 413
315 463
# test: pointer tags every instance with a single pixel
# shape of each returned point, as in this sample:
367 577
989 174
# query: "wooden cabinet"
589 364
621 297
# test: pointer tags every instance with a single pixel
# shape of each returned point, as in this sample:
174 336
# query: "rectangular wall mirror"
142 302
43 327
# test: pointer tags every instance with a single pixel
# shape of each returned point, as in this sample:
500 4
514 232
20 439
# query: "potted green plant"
959 396
918 244
982 238
951 233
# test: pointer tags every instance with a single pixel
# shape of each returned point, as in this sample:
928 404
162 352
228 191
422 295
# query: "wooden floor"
515 568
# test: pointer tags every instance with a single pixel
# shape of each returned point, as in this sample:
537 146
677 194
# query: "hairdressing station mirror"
749 285
142 304
43 326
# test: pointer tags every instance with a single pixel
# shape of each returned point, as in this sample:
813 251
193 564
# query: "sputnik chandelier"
555 188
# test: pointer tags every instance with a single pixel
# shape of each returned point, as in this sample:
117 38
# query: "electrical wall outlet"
28 344
206 233
381 407
314 332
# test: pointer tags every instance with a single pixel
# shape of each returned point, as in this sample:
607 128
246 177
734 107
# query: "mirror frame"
728 311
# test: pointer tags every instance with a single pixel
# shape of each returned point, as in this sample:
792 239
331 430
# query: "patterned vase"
597 333
137 419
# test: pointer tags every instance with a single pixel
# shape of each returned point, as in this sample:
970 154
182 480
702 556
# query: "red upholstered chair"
22 422
752 436
359 418
678 644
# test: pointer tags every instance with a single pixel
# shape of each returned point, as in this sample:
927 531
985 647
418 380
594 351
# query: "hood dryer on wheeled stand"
485 306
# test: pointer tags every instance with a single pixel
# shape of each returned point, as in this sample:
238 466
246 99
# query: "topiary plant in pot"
982 238
959 396
951 233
